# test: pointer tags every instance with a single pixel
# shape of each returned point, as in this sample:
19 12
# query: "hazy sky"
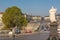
34 7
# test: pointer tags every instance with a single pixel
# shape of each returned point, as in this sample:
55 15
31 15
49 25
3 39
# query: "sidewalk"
29 33
3 35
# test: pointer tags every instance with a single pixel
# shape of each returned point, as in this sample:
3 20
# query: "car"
10 33
58 30
28 31
17 31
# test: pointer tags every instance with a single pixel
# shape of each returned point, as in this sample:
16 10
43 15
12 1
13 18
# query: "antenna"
30 12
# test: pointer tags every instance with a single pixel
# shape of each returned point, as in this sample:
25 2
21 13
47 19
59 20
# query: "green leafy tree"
13 17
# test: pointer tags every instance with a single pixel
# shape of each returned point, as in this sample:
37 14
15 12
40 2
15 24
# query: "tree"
13 17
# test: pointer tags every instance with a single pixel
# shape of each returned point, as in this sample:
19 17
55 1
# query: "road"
34 36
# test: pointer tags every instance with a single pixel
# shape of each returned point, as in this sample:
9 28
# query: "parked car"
17 31
58 30
10 33
28 31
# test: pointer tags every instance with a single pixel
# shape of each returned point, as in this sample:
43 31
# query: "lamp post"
16 27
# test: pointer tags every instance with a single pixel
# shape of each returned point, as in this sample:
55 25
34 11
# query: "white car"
10 33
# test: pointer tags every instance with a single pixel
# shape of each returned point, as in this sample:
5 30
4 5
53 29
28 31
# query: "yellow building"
36 18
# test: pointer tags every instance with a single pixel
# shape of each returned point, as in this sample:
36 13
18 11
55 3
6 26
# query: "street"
35 36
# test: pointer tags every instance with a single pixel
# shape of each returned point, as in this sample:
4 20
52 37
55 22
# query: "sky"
34 7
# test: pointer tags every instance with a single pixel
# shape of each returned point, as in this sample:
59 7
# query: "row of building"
46 18
32 18
1 23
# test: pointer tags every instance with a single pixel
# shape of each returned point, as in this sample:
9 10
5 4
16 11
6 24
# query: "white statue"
52 12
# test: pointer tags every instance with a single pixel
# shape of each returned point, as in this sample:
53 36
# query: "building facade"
1 23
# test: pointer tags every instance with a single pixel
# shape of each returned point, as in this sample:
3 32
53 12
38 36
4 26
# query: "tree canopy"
13 17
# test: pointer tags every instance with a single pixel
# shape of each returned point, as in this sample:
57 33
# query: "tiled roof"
1 12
